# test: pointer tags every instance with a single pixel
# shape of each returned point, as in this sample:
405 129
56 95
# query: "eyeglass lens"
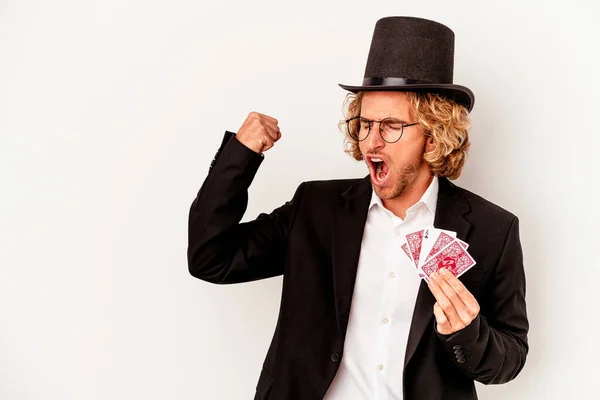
390 128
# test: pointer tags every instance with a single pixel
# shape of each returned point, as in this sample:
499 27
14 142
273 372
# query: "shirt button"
392 275
385 320
380 366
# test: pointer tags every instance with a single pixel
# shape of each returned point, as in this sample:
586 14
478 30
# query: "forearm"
217 210
487 354
495 347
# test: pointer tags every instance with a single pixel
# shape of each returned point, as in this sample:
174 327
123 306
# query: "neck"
413 193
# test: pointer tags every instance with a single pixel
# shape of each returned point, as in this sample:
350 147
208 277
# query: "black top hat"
413 54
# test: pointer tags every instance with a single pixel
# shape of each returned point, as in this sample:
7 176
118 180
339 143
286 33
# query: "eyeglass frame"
380 132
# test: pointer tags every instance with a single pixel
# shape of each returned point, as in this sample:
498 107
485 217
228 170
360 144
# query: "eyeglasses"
390 129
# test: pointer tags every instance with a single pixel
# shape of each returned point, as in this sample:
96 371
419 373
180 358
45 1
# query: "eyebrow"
400 119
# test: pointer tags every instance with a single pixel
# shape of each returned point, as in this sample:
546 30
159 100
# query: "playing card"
404 247
433 241
407 251
453 257
414 240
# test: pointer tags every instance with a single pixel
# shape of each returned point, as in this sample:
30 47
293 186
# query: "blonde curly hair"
444 120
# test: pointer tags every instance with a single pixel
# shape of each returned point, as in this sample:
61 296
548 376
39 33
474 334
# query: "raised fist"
259 132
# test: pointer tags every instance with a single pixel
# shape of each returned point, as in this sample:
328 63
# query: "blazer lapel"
450 208
349 218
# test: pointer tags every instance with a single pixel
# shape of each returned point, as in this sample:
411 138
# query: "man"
356 322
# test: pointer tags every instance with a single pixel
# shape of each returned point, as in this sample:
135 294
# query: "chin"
386 193
391 191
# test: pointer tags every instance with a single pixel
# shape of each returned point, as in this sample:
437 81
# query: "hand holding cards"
431 249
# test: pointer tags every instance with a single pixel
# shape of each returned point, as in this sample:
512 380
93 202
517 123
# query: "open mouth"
379 169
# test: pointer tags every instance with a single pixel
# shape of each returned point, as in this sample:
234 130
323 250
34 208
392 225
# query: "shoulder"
328 190
332 185
482 209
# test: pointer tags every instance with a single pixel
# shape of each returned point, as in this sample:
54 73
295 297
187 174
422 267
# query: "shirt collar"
429 198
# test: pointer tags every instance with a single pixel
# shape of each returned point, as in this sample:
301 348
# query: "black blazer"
314 241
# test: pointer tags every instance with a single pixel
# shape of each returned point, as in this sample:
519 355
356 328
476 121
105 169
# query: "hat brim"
460 94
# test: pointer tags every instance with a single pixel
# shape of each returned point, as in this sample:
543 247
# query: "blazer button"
460 360
456 347
458 352
335 357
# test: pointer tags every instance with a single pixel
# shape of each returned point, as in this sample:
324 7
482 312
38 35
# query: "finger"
467 297
267 143
272 129
460 307
260 116
268 117
443 325
445 304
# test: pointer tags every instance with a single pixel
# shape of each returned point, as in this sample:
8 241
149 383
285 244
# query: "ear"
429 143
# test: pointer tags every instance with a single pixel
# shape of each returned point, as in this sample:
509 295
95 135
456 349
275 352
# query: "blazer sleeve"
222 250
493 349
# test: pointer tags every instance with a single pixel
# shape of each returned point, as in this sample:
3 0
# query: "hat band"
389 81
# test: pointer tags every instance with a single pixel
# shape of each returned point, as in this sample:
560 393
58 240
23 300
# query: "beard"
405 176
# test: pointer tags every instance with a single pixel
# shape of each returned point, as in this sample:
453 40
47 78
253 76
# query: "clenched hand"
259 132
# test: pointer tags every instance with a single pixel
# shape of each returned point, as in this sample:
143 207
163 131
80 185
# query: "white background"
111 112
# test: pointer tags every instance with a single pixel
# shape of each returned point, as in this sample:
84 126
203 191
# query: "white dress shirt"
382 306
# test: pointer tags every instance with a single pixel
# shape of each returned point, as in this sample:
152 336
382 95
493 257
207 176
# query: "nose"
374 140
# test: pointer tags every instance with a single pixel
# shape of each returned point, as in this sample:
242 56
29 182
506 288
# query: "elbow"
503 376
201 268
510 367
199 273
198 270
205 275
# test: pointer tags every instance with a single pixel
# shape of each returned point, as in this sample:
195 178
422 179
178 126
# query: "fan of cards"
431 249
